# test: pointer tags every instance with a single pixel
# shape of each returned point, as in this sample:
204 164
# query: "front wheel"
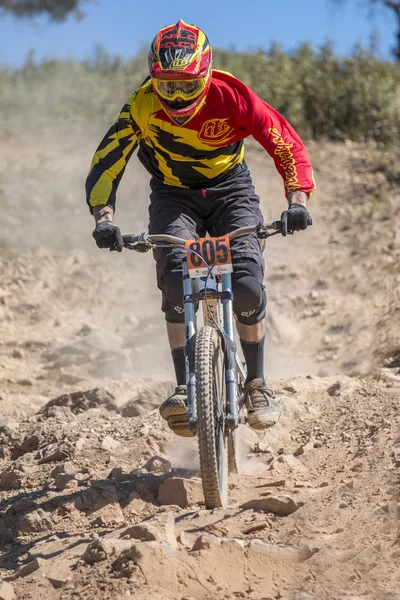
210 397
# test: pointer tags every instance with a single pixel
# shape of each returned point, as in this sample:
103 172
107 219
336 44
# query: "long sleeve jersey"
201 152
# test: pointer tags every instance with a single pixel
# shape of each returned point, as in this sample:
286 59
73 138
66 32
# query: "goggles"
173 89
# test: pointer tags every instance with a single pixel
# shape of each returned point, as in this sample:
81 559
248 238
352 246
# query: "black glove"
108 235
295 218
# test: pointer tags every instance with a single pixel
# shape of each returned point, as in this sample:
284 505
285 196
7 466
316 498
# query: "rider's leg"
250 307
252 338
235 204
176 338
174 409
175 213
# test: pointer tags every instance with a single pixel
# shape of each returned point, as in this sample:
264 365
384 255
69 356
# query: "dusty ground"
84 363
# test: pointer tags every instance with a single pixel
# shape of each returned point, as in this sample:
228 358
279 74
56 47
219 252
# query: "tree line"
323 95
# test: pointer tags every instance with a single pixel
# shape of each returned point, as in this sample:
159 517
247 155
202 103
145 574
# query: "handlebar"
144 241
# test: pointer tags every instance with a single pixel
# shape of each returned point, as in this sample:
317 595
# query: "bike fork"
232 416
190 331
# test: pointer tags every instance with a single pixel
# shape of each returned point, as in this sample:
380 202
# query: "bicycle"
215 376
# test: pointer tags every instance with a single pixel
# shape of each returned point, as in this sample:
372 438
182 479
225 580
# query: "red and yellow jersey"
202 151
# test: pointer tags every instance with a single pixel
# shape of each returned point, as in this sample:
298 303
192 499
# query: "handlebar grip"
277 225
129 238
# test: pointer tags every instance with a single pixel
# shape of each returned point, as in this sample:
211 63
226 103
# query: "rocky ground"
98 499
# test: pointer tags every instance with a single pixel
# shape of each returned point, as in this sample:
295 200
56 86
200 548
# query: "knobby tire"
210 397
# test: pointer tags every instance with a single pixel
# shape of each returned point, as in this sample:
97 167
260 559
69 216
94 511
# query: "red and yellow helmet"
180 69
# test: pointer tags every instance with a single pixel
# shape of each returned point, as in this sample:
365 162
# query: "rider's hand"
295 218
108 235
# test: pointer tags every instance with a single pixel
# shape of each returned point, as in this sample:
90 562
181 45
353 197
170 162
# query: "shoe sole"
173 407
260 422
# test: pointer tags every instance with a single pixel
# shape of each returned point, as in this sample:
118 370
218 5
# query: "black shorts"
216 210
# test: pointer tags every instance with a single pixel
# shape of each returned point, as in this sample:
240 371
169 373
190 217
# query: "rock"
66 468
335 389
135 506
293 462
29 443
57 581
157 562
147 399
262 447
304 448
148 490
101 504
160 528
158 463
17 354
109 444
212 554
62 414
11 478
115 472
278 483
181 492
279 505
357 467
55 453
205 541
79 402
64 481
99 550
29 568
34 522
85 330
183 539
6 591
22 505
26 382
256 527
132 409
80 444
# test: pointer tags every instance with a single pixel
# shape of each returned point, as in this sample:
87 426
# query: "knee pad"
172 291
250 300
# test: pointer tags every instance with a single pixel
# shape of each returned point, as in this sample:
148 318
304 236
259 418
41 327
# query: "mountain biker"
189 122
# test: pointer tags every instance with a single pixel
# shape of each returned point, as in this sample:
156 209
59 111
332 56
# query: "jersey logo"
216 131
284 151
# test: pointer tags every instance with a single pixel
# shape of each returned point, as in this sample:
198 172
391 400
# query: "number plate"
214 252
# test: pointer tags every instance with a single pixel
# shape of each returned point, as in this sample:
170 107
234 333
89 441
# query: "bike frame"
225 296
193 292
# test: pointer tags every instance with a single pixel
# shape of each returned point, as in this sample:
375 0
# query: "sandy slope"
75 475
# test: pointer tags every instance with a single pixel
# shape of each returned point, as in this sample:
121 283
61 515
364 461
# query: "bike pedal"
179 425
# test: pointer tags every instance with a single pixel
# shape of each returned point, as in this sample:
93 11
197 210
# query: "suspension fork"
232 415
190 331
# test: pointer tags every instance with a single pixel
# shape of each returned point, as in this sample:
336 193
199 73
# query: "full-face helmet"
180 69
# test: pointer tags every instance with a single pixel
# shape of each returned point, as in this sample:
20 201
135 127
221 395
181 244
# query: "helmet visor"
187 89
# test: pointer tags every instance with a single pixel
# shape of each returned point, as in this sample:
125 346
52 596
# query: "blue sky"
124 26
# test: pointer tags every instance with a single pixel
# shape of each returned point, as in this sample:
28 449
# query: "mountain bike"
215 376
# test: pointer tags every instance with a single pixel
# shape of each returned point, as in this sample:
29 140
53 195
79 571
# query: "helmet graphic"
180 69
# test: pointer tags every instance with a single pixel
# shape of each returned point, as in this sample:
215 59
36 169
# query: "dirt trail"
99 500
